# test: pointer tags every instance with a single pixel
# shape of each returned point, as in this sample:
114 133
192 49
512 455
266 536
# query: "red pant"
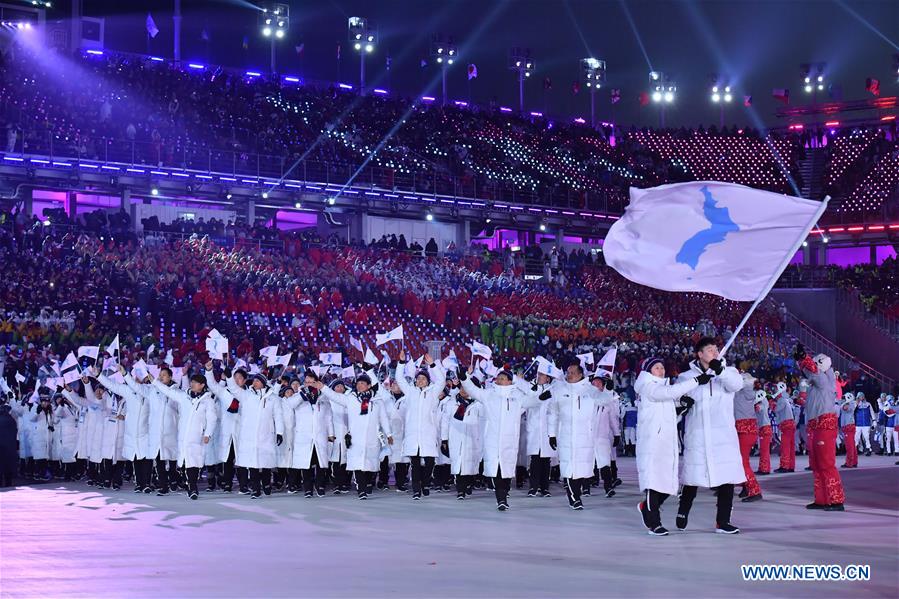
765 435
748 432
849 442
788 445
823 437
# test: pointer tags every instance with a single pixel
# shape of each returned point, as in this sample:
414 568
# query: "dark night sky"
760 44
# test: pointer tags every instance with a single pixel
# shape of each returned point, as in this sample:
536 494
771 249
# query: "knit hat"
648 363
259 377
333 384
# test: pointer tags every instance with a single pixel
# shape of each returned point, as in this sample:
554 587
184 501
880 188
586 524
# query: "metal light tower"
274 21
444 53
721 95
520 61
663 91
594 76
364 39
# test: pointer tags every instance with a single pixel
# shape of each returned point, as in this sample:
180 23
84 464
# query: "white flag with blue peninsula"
712 237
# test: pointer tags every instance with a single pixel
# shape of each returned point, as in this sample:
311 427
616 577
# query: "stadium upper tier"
134 110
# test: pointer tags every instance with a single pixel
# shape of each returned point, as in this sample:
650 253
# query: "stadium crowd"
136 110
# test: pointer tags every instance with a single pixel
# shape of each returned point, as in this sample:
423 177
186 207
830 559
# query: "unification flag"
331 359
585 359
357 344
91 351
394 335
276 360
113 347
548 368
708 236
479 349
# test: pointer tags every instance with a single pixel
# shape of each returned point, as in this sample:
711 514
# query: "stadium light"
521 62
274 20
444 53
664 91
594 71
813 78
364 39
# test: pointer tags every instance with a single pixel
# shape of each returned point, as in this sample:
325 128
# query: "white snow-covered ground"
74 541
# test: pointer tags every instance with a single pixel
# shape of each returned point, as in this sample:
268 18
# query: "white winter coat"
503 406
284 452
260 424
608 426
711 448
395 408
226 431
448 403
421 413
66 432
657 444
136 440
22 415
339 422
538 427
162 421
572 419
40 423
466 447
90 423
312 426
197 419
365 445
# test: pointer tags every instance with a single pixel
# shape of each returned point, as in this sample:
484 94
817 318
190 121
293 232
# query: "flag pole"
783 266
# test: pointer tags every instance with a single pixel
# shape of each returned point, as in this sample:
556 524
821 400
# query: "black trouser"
539 473
279 476
93 472
243 477
166 473
501 488
226 471
40 468
112 472
441 475
614 467
605 473
653 502
193 475
339 473
384 473
211 474
363 481
142 469
521 475
260 478
421 473
400 474
464 483
725 502
573 488
315 475
70 470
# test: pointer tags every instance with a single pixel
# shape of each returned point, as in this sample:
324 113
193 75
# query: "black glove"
552 442
444 448
687 401
616 441
348 440
704 378
610 385
278 440
463 374
799 352
534 387
545 395
227 373
717 366
51 429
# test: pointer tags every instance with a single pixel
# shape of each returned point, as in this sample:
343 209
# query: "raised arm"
663 392
473 391
170 392
120 389
402 381
731 380
333 396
